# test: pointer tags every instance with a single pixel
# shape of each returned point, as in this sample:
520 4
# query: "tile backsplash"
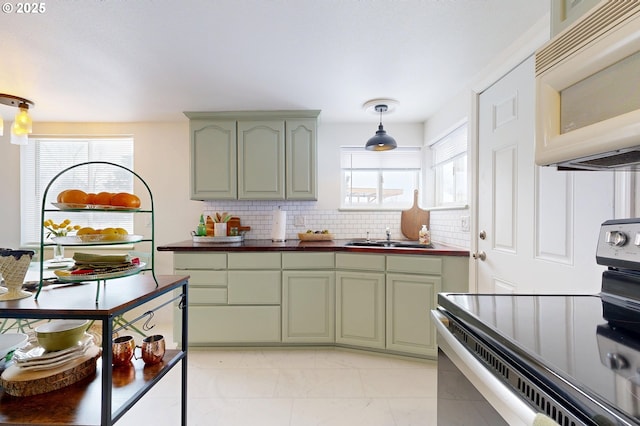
446 225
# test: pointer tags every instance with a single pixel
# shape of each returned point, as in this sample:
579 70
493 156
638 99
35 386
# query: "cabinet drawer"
429 265
254 287
364 262
200 260
254 260
199 277
207 296
234 324
308 261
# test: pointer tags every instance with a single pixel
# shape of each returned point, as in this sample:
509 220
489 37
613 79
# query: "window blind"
449 147
399 158
43 158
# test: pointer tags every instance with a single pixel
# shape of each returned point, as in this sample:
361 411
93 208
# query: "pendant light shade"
381 141
22 124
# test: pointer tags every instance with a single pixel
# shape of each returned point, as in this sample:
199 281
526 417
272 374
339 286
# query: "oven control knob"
617 361
616 238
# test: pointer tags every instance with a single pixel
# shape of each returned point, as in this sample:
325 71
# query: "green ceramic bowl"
61 334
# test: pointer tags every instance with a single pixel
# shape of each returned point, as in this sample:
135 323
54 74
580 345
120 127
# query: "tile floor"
295 387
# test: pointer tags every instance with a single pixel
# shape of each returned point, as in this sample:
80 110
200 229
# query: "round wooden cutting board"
19 382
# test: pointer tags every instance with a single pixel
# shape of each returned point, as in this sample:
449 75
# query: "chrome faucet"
388 234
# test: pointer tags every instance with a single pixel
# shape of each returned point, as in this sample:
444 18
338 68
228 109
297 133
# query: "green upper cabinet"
261 160
254 155
213 159
301 164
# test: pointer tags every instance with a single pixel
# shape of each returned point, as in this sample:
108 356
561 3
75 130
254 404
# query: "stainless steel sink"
386 243
369 243
411 244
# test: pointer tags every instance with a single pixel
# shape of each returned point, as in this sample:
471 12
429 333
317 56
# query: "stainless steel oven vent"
459 332
528 390
498 366
544 403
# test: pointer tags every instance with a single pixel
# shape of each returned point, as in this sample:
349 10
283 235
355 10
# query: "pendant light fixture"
381 141
22 123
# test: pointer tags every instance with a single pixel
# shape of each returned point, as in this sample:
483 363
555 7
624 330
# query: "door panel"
541 224
505 179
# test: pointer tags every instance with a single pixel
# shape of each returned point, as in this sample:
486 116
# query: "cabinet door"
206 287
233 324
254 287
213 160
308 314
360 309
361 261
202 260
299 260
261 160
301 174
410 298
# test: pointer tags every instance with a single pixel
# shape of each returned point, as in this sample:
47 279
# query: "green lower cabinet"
308 309
233 324
409 300
360 309
368 301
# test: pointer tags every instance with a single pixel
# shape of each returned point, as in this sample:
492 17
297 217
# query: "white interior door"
537 226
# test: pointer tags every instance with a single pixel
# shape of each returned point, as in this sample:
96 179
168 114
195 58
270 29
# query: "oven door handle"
513 409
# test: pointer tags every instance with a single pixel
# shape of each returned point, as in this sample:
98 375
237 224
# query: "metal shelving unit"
151 239
105 398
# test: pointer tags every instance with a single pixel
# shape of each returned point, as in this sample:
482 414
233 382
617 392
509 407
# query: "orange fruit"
110 234
61 195
73 196
124 199
103 198
86 231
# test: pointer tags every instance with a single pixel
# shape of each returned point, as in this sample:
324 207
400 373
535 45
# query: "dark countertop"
312 246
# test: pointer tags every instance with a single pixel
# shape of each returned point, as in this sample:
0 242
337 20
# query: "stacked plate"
34 357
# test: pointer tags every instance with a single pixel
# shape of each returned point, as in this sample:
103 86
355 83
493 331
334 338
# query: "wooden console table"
76 404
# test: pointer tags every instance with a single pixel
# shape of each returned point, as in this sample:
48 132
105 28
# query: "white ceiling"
149 60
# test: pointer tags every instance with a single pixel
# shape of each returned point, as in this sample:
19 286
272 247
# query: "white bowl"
60 334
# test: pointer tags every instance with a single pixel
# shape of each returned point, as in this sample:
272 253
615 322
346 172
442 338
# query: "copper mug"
152 349
123 350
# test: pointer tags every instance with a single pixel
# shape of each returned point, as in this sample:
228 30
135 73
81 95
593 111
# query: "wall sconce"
381 141
22 124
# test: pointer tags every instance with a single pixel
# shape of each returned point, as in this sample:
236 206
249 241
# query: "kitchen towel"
278 229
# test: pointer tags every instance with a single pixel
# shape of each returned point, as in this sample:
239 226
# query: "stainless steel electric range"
573 359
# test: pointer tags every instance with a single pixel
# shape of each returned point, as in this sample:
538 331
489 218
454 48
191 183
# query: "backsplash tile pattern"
445 224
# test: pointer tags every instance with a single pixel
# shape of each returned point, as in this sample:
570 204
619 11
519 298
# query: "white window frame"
34 180
401 159
446 151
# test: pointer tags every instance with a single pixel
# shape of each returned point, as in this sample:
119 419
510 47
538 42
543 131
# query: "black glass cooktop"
568 342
